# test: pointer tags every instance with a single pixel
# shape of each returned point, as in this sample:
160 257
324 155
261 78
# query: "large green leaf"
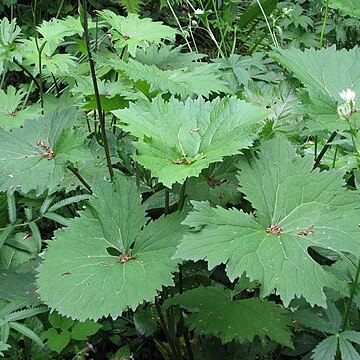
217 184
325 73
103 263
296 208
213 312
133 32
35 156
200 80
179 139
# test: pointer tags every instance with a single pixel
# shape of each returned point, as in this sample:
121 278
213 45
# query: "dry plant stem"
182 320
81 179
96 90
182 196
27 72
324 149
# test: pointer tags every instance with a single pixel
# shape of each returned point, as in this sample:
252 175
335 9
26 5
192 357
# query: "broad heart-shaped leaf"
179 139
79 278
296 208
325 73
213 312
133 32
35 156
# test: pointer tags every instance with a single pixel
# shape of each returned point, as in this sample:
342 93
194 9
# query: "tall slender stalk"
39 50
324 23
182 196
324 149
96 90
352 295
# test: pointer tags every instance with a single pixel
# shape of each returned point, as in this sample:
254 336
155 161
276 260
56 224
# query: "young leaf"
296 208
35 156
243 319
133 32
9 32
103 263
178 140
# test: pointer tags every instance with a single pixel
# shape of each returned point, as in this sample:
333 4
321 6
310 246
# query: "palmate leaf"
217 184
179 139
166 57
133 32
296 208
243 319
79 278
325 73
35 156
200 80
10 115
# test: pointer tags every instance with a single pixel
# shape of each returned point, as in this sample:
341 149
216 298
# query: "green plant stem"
96 90
272 34
324 149
81 179
334 159
59 9
167 202
352 295
182 196
324 23
39 50
182 320
26 71
56 86
174 349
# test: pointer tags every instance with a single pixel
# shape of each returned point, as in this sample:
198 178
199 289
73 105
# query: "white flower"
199 12
344 110
194 23
348 96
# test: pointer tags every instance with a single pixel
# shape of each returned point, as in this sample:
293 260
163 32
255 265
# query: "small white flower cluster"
348 107
199 12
